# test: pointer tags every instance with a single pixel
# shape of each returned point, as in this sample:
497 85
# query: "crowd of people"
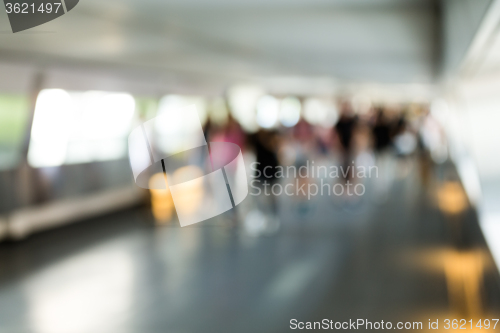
378 131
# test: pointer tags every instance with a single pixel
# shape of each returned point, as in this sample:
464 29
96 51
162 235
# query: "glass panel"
80 127
13 117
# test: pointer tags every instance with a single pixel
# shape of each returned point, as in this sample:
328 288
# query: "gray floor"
378 258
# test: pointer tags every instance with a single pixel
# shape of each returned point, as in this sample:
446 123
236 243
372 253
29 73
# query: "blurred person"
303 144
265 144
324 139
381 131
405 141
230 132
344 130
306 144
433 138
432 145
345 125
362 140
361 158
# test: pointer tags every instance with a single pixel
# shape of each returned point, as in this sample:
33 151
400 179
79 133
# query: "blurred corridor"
250 166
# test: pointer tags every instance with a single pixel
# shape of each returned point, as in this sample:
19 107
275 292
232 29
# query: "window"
176 127
79 127
13 117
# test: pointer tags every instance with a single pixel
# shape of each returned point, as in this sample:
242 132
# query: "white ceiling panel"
224 40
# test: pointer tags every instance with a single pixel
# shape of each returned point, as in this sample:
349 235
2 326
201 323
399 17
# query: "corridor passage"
391 256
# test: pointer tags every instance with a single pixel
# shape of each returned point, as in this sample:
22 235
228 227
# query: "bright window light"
172 103
242 100
74 127
100 126
267 111
290 111
320 112
182 127
51 128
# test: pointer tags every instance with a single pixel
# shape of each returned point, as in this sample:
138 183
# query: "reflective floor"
393 255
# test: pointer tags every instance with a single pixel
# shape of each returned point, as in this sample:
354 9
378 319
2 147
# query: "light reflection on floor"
389 259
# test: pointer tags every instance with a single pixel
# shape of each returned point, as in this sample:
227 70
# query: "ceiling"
220 42
482 60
